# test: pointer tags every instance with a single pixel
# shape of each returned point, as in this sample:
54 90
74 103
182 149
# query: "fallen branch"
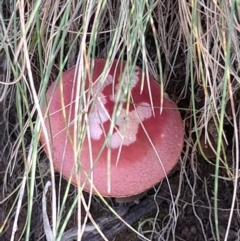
112 225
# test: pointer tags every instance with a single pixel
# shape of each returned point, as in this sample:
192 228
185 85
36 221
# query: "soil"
185 213
195 212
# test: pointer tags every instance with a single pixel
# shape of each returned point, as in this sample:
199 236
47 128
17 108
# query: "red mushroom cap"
145 144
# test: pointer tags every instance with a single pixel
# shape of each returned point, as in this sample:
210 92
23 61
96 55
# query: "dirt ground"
194 210
185 213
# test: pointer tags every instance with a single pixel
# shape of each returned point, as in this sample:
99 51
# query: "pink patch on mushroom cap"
152 141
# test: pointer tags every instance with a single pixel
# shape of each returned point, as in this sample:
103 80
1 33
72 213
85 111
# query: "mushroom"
209 148
145 143
208 141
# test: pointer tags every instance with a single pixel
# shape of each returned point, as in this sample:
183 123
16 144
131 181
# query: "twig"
46 224
110 225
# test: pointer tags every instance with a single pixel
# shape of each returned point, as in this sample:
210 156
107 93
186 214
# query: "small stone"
193 229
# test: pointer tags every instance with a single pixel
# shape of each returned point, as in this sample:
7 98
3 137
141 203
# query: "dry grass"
190 47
